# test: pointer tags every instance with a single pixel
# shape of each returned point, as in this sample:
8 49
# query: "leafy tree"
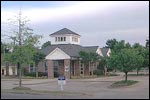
88 58
127 45
110 43
24 47
147 43
140 57
124 61
84 56
102 64
119 46
37 57
46 44
146 57
4 48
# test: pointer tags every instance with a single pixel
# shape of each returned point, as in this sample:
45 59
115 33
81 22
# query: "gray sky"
95 21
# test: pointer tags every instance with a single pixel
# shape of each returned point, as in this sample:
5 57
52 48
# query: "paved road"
86 88
40 96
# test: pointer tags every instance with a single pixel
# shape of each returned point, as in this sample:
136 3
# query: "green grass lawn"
124 83
141 74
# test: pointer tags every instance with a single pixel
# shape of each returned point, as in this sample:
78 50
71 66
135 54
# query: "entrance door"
56 71
58 67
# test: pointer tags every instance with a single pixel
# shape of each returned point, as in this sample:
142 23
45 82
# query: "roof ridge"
64 31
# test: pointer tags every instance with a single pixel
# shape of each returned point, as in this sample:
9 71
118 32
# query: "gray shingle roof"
63 32
104 51
90 49
70 49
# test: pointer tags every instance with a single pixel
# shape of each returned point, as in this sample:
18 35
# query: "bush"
40 74
98 72
112 74
32 74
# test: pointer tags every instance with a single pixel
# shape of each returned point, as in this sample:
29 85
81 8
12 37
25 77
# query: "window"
81 69
64 38
75 39
32 68
55 38
61 38
58 38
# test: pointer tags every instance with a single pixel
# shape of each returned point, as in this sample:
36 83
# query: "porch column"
67 65
50 69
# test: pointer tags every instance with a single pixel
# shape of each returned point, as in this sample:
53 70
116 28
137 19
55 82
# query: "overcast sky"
95 21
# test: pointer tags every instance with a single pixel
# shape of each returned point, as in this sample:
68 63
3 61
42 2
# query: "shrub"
32 74
98 72
40 74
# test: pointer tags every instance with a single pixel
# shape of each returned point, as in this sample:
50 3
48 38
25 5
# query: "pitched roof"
70 49
104 51
64 31
90 48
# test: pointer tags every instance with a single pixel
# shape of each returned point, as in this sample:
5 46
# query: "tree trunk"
89 67
137 72
105 70
20 76
7 69
92 68
36 69
126 76
36 73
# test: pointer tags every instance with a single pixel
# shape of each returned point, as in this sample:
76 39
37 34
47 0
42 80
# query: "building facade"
62 56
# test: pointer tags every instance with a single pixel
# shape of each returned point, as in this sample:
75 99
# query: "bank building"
62 56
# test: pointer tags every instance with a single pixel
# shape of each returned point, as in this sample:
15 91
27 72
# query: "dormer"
65 36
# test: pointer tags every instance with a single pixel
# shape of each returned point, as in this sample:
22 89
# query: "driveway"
90 88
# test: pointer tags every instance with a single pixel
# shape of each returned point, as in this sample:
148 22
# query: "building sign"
66 68
61 82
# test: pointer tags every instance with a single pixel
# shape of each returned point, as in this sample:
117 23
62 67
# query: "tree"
37 57
24 47
146 53
46 44
127 45
147 43
124 61
140 56
4 48
119 46
88 58
102 65
110 43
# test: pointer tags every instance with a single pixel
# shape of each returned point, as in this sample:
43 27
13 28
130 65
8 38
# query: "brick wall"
77 68
61 68
41 66
50 69
67 63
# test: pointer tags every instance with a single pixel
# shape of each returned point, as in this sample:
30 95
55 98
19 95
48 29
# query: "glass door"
56 71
